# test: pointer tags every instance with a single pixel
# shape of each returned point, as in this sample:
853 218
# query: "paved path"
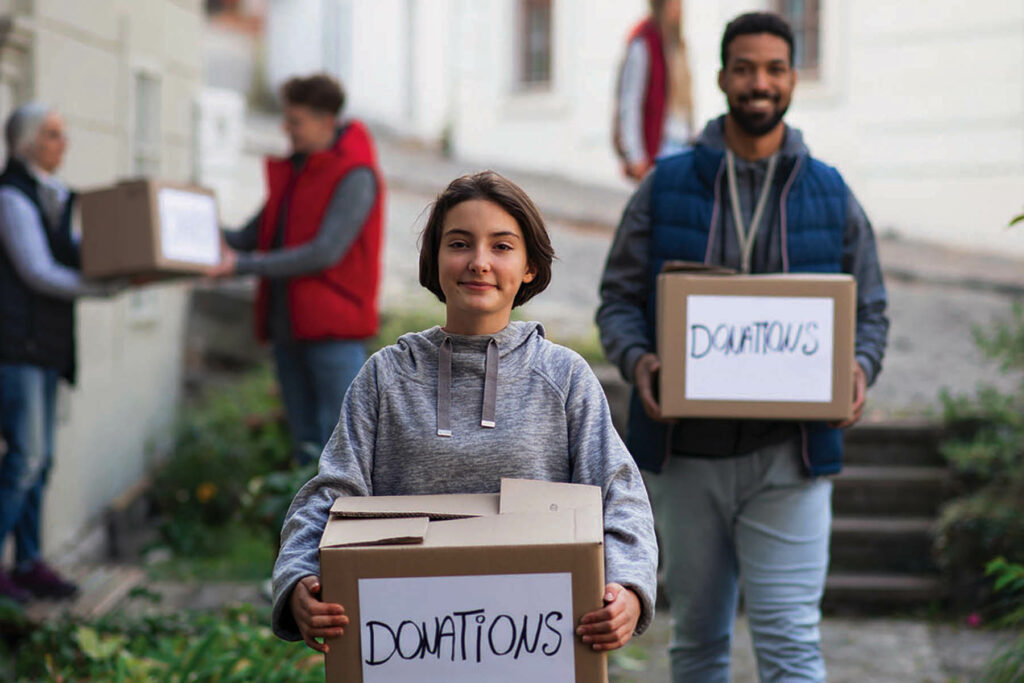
856 651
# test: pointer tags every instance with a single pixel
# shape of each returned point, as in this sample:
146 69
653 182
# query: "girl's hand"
612 626
316 619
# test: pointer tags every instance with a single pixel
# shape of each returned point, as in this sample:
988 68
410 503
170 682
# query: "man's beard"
757 124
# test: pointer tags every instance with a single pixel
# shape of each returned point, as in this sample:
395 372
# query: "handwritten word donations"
756 338
469 636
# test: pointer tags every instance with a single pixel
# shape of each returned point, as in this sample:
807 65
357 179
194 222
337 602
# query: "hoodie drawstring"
444 387
490 385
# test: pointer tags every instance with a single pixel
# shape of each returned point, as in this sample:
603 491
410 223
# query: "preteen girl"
454 409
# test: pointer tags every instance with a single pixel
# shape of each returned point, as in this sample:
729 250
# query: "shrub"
987 456
233 644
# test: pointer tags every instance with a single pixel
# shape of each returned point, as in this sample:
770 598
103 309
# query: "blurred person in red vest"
315 245
653 109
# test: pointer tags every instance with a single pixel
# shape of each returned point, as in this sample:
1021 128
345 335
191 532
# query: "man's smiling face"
758 81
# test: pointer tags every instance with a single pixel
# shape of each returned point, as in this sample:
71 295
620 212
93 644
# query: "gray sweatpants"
754 523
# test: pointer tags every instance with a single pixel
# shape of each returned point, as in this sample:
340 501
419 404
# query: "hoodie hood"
713 137
455 358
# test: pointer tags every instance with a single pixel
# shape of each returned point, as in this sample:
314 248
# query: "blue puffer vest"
684 215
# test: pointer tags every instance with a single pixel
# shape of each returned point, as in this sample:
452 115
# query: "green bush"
986 453
1007 665
234 436
231 645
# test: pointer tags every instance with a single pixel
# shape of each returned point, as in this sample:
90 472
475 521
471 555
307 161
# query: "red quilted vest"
340 302
656 92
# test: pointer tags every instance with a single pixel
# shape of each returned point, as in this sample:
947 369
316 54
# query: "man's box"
148 227
466 587
756 346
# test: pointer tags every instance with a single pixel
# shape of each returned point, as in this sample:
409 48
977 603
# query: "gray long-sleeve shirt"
23 237
625 287
350 204
551 423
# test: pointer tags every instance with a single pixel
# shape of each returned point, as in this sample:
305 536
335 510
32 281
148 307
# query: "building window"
146 125
804 17
535 42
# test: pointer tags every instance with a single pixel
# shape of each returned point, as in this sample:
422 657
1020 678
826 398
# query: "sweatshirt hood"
713 137
437 355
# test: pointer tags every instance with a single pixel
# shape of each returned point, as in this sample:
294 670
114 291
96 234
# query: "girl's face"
482 262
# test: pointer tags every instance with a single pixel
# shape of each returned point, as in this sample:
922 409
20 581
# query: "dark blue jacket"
36 328
684 201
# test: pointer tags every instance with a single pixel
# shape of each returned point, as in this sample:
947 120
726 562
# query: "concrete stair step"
871 591
910 443
882 544
100 589
865 490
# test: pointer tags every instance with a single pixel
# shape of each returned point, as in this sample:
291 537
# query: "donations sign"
745 348
498 628
188 226
756 346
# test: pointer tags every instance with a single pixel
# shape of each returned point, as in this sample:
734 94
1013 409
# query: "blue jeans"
754 523
28 398
314 377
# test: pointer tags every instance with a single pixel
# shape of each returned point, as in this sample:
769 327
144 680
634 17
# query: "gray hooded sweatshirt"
550 422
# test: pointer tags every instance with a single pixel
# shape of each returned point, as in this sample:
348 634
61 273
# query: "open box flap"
343 533
448 506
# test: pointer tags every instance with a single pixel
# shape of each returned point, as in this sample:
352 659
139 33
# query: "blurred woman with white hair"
39 281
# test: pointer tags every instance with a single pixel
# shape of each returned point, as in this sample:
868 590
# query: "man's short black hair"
756 22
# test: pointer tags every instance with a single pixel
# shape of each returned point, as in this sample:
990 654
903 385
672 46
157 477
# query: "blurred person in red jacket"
653 108
315 245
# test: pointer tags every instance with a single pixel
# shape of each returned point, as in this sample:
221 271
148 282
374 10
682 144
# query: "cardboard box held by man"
755 346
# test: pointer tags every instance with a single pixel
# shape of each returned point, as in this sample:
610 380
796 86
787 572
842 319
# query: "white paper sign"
188 227
472 629
759 348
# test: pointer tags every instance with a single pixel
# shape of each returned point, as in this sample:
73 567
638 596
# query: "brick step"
914 443
882 544
864 490
880 591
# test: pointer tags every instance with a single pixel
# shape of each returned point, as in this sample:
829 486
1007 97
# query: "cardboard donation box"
756 346
148 227
466 587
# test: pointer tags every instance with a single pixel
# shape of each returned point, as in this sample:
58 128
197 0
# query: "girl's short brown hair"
492 187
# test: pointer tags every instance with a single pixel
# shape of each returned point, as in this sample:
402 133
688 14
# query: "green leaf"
96 647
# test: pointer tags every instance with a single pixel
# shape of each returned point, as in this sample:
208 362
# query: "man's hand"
860 392
228 262
646 369
611 627
316 619
637 169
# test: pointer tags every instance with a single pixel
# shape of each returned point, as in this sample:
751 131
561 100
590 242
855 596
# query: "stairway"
884 504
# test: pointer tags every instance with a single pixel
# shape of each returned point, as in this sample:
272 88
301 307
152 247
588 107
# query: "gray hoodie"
551 422
625 287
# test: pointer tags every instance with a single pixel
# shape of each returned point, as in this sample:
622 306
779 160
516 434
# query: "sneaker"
11 590
43 582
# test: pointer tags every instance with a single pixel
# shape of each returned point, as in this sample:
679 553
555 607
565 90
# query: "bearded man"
741 505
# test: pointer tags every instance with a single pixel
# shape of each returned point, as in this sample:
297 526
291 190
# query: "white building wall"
84 57
922 110
564 129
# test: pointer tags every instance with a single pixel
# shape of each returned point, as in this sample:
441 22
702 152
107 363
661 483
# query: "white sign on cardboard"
759 348
497 628
188 227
